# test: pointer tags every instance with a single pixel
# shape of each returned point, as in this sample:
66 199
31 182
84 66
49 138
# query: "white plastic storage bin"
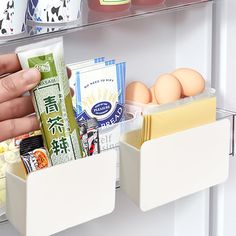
168 168
59 197
2 196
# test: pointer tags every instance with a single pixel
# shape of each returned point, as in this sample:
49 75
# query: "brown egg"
153 97
138 92
167 89
192 82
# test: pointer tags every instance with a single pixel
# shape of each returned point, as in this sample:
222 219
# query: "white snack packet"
101 94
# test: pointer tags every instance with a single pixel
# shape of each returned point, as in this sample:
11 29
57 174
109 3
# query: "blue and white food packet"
89 62
85 66
82 64
100 94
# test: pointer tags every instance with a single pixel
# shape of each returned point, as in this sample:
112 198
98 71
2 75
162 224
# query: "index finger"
9 63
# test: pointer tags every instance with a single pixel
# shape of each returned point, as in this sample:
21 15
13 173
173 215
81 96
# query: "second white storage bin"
173 166
63 196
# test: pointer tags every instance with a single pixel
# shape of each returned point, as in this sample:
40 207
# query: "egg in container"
177 101
139 92
167 89
191 81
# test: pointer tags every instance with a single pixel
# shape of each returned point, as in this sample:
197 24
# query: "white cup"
53 11
12 17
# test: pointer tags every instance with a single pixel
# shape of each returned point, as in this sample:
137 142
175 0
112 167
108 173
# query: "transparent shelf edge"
43 31
3 219
230 115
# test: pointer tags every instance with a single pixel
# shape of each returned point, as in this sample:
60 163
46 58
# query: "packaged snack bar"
80 68
84 137
33 154
93 137
101 94
52 99
86 63
78 65
20 138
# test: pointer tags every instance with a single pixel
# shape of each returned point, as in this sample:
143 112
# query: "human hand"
16 110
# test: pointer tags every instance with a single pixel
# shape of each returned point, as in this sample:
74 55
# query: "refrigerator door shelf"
62 196
171 167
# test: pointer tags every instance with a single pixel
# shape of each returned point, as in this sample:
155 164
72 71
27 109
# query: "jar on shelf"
54 11
12 17
109 5
147 2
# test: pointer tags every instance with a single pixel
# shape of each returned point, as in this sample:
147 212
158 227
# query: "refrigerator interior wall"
223 205
224 48
151 46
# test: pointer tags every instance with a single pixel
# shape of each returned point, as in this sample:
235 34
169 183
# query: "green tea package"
52 99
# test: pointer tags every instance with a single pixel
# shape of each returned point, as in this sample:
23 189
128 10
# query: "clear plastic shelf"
91 18
110 135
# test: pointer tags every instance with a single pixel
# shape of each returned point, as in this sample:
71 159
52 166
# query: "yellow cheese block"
184 117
